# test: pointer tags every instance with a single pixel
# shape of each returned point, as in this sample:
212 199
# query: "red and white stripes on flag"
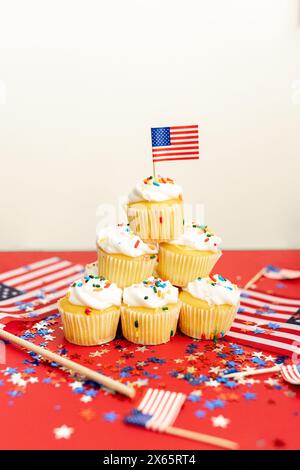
158 410
31 292
267 322
175 143
291 374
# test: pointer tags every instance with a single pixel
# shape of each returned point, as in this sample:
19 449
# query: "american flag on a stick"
31 292
267 322
175 143
273 272
158 410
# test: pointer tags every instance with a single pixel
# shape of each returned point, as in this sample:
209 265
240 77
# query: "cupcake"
123 257
90 311
209 306
155 209
149 312
194 253
91 269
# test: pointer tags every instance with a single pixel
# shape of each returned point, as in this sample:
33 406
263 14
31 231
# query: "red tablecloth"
259 415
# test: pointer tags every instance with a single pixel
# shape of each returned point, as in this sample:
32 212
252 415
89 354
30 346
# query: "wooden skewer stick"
237 375
254 279
78 368
197 436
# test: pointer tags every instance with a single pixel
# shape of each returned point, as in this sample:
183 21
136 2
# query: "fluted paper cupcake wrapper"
206 323
181 268
90 330
157 224
149 328
125 272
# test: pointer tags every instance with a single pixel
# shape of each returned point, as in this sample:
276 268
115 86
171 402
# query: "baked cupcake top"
215 290
91 269
120 239
155 189
198 237
151 293
94 292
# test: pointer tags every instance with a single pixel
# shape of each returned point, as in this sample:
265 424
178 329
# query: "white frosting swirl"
155 189
152 293
91 269
198 237
216 290
94 292
120 239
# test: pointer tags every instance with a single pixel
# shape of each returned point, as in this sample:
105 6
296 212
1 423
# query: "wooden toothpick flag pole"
254 279
205 438
73 366
237 375
153 167
290 373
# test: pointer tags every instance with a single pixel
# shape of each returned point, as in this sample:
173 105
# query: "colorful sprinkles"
204 229
219 282
99 282
158 180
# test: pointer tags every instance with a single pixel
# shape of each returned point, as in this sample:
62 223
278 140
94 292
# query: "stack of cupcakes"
151 273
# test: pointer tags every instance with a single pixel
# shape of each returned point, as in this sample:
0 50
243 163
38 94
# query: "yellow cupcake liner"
125 271
90 330
157 222
206 323
149 327
181 268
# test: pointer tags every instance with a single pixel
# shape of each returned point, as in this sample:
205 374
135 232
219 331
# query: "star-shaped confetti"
142 349
86 398
200 413
249 396
87 414
110 417
271 382
220 422
63 432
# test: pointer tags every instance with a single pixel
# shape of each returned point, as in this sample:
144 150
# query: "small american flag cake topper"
158 411
175 143
273 272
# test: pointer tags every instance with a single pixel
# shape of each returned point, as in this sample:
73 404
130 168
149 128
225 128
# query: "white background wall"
82 82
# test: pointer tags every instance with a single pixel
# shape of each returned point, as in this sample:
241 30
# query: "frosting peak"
215 290
198 237
151 293
155 189
95 292
120 239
